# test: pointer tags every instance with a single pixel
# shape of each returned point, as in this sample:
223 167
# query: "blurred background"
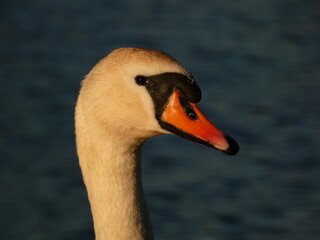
258 64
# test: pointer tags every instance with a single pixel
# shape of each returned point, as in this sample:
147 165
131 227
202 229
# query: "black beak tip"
233 146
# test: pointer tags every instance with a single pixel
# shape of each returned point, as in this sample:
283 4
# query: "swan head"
139 93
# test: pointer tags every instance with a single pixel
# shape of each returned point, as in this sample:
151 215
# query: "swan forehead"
135 61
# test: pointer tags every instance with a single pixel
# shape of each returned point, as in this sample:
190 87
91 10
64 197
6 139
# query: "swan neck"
112 175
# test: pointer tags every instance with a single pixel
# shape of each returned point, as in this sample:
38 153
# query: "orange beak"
186 119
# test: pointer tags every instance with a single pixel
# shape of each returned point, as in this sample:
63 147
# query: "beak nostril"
192 115
188 109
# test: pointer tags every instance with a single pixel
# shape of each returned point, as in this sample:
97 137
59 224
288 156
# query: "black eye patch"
161 87
166 83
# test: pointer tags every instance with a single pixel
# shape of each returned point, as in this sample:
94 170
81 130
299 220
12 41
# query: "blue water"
258 65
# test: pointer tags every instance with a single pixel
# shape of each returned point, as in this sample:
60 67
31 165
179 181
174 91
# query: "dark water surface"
258 64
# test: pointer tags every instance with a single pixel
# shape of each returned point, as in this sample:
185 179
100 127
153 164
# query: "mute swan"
128 97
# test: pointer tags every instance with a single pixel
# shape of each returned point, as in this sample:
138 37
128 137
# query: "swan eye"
141 80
